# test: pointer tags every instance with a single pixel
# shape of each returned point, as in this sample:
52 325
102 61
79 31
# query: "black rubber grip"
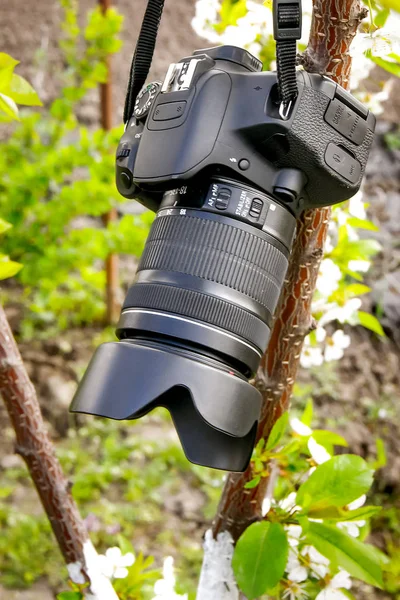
202 307
218 252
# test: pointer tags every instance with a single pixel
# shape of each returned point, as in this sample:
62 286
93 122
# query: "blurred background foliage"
132 482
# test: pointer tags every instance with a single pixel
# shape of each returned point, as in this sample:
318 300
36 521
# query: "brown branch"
334 25
34 445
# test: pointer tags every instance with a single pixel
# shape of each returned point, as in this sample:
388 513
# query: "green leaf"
381 458
260 558
370 322
22 92
391 4
360 560
362 224
308 413
392 67
4 226
8 106
253 483
330 438
277 432
337 514
8 268
381 17
337 482
357 289
7 61
70 596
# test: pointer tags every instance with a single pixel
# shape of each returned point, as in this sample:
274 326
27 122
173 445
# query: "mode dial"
240 56
145 98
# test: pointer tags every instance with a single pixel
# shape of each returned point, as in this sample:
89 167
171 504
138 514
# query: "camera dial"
145 99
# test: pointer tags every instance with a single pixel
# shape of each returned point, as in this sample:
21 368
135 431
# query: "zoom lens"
197 320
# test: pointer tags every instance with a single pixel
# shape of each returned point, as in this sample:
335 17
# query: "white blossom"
329 277
335 345
288 504
319 454
353 527
113 563
266 506
382 42
294 533
332 591
357 503
294 591
360 266
300 427
206 15
296 571
343 314
357 206
311 356
164 588
375 101
382 413
318 563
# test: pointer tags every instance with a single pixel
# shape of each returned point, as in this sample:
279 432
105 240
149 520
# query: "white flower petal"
105 565
341 580
331 594
357 503
114 554
289 502
315 556
318 452
126 560
300 427
298 574
120 573
266 506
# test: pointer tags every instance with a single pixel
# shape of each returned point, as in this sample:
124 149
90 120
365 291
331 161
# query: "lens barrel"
210 281
193 328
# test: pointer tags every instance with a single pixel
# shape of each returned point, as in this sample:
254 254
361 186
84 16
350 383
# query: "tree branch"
34 445
334 25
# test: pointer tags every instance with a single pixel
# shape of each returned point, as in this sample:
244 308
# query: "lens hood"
215 411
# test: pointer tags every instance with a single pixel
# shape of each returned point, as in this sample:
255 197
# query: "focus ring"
196 305
218 252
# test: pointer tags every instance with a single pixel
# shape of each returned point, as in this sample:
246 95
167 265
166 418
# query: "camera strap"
143 55
287 29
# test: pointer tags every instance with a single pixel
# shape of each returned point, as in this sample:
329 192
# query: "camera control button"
222 201
343 163
168 111
346 121
256 208
125 180
244 164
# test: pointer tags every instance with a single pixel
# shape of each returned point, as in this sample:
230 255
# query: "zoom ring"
219 252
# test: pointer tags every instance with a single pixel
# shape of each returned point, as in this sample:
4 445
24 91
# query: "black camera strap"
143 55
287 29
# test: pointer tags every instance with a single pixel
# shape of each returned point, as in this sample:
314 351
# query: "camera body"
227 168
217 113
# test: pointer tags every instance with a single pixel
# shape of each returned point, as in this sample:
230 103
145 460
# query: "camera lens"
209 282
196 322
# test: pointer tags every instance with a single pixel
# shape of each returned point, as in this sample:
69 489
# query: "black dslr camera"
227 167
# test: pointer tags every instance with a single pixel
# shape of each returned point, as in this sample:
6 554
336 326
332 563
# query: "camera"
227 168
